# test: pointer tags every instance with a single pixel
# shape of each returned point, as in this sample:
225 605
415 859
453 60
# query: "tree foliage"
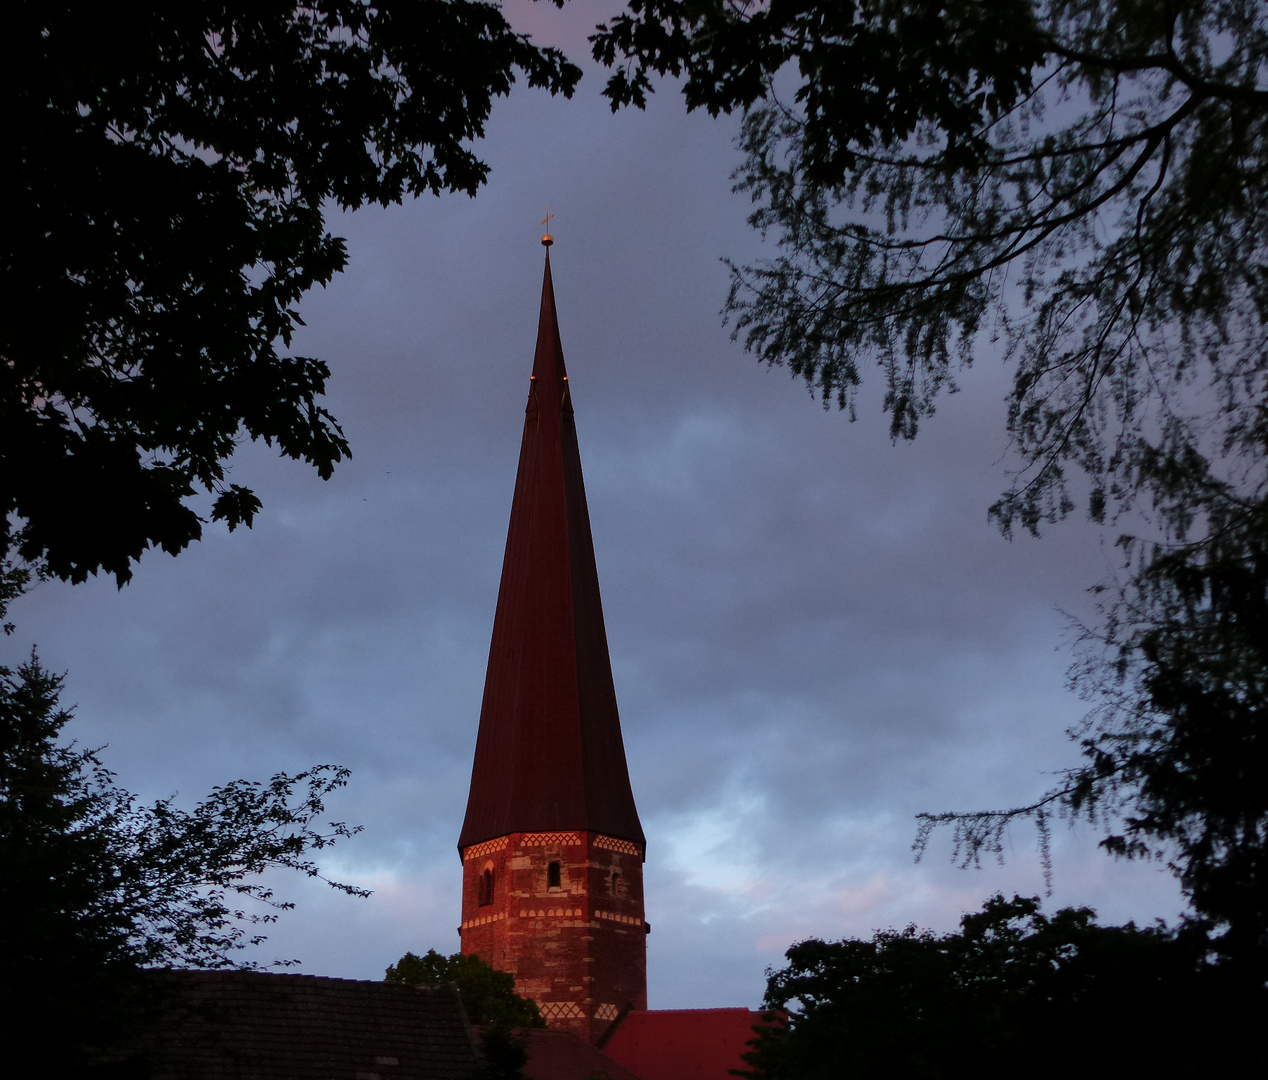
97 885
168 171
488 994
490 1000
1084 179
1084 184
1012 992
1175 750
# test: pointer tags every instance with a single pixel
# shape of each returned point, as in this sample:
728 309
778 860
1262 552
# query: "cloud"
815 633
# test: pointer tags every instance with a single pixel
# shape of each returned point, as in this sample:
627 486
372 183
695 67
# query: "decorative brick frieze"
483 920
487 848
541 839
606 1012
614 916
610 843
550 913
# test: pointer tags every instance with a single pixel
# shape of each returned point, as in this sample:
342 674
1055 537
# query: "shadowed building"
552 848
255 1025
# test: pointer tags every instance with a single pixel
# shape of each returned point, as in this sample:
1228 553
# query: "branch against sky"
1085 181
168 173
1175 753
97 886
1082 183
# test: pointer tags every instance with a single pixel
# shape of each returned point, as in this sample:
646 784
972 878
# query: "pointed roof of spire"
549 755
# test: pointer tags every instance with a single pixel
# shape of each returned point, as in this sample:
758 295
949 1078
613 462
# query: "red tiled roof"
563 1055
549 754
251 1025
682 1044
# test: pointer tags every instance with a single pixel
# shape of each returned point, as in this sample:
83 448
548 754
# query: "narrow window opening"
486 888
614 884
552 875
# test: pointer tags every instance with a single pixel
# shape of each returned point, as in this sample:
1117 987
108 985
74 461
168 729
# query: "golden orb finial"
547 239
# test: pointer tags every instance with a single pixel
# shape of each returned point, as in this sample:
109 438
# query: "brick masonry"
578 948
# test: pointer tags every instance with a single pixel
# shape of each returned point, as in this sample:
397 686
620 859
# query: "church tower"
552 849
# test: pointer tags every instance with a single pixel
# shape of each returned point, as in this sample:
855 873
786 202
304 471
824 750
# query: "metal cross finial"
547 239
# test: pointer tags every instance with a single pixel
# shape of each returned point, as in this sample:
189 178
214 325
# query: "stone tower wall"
577 947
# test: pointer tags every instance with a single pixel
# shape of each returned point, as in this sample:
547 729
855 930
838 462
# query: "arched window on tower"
552 875
615 888
486 887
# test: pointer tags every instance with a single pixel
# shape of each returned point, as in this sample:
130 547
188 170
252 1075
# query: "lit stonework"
577 948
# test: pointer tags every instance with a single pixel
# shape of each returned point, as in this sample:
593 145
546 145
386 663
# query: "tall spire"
549 754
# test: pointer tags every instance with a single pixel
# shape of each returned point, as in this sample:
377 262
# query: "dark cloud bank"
815 634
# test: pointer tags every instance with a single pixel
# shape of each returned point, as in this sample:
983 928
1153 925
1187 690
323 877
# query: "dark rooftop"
563 1055
235 1025
683 1044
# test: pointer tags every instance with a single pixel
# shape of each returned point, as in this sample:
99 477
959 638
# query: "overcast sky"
815 634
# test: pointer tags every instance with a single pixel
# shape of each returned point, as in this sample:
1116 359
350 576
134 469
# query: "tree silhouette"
168 172
97 886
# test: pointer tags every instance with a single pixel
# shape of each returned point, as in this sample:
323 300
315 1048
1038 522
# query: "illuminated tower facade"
552 849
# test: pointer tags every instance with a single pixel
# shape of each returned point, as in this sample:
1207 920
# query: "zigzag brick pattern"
610 843
570 838
487 848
